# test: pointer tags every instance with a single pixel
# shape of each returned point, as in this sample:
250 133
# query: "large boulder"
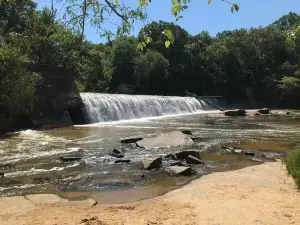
173 138
184 154
237 112
181 170
152 164
264 111
193 160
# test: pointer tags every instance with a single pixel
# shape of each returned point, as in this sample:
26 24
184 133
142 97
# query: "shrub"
293 166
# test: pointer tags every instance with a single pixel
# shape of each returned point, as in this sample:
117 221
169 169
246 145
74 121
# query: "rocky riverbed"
96 160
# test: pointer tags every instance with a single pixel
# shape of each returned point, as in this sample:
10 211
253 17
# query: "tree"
151 73
123 54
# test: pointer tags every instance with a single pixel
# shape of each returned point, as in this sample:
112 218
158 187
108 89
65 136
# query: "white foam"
35 171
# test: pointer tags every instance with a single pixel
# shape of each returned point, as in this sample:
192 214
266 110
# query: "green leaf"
232 9
140 47
167 44
148 40
236 7
209 1
185 2
185 6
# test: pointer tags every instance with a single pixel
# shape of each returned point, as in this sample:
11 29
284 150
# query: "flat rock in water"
193 160
174 138
264 111
123 161
181 170
152 164
70 158
187 132
131 140
185 154
237 112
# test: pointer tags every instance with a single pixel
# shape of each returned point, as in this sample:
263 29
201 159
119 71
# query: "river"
34 164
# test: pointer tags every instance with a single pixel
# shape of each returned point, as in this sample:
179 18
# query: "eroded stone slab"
174 138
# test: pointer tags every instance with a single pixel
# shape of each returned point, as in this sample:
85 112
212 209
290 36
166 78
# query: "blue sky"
200 16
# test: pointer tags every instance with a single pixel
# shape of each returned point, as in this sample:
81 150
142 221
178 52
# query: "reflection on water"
31 159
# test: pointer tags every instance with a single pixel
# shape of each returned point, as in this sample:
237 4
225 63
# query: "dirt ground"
262 194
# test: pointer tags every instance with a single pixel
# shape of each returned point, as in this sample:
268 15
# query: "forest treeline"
261 60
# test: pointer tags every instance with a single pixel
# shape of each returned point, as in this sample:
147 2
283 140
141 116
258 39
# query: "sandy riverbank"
261 194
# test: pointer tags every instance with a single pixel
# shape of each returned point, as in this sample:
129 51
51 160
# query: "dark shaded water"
36 167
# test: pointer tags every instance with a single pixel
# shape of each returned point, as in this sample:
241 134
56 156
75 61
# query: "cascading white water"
114 107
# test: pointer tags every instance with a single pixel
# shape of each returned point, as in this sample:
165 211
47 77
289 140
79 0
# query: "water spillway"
114 107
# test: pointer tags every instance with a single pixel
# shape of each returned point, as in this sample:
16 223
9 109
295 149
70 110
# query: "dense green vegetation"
264 60
293 166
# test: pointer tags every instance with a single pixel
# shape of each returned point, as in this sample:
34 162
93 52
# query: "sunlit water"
37 168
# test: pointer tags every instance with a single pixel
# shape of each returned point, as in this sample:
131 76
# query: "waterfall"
114 107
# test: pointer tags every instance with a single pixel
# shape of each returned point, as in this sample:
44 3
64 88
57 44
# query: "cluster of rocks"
243 112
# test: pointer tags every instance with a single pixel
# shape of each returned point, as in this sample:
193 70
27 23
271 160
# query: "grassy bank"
293 166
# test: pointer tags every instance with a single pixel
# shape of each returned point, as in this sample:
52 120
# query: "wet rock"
5 166
1 175
106 160
131 140
39 180
152 164
248 153
171 156
117 151
195 138
143 176
117 155
181 170
282 113
70 158
264 111
187 132
185 154
193 160
173 138
123 161
237 112
178 163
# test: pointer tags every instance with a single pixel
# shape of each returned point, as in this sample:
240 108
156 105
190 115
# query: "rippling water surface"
33 164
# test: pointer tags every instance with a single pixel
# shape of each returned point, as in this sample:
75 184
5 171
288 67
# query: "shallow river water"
30 160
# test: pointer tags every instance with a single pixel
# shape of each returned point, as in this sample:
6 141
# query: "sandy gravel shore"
262 194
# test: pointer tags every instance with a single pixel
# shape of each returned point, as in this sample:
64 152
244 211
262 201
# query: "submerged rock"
6 165
248 153
187 132
123 161
237 112
1 175
117 155
171 156
181 170
152 164
131 140
173 138
193 160
178 163
264 111
70 158
117 151
185 154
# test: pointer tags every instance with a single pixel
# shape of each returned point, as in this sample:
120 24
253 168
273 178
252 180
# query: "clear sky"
200 16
